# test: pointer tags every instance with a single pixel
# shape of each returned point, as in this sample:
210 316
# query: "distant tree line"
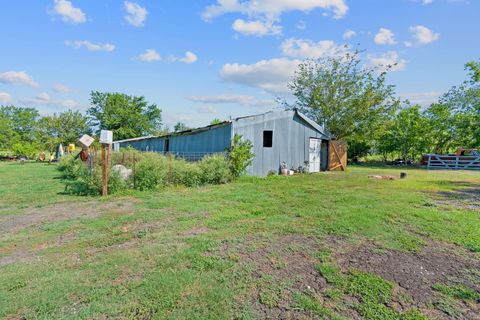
354 103
25 132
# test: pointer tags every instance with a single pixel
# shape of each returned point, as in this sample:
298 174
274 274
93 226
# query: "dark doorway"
324 155
167 145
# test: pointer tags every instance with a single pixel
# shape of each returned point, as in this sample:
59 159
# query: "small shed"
278 137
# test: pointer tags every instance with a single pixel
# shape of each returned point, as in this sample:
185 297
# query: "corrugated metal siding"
291 136
216 139
212 140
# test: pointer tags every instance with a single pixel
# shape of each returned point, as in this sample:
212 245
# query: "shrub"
28 150
214 169
151 171
78 180
240 156
184 173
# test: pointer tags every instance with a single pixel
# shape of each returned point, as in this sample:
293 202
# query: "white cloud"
348 34
408 44
61 88
270 75
90 46
243 100
390 60
301 25
427 1
302 48
272 9
256 28
5 98
207 110
43 99
422 98
18 77
68 12
424 35
385 36
149 56
189 58
136 15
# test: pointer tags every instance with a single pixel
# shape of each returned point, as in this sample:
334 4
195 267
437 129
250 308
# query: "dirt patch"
464 198
416 273
194 232
381 177
280 267
62 211
17 256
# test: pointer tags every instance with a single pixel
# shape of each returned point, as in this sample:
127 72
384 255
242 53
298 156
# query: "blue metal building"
278 137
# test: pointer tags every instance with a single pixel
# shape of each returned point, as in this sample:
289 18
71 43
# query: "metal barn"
278 137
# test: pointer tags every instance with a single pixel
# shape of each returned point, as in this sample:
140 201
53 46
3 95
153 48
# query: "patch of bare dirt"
416 273
62 211
381 177
463 198
280 266
194 232
18 256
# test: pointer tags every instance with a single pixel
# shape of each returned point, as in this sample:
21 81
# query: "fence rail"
453 162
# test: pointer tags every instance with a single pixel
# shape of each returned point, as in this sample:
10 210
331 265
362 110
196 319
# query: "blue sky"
199 60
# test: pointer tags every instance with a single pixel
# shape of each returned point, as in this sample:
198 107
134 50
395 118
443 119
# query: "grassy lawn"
329 246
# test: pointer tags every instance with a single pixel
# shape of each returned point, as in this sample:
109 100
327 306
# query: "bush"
240 156
28 150
185 173
77 179
214 169
151 171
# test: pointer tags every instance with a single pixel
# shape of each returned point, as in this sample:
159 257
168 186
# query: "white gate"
314 155
436 161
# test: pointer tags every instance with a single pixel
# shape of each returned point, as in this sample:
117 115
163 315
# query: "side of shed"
283 136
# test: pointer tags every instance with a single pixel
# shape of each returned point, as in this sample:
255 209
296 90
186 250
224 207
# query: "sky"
206 59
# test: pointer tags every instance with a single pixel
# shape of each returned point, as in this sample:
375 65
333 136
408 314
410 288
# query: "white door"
314 158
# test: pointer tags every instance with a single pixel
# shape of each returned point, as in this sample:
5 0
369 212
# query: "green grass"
145 263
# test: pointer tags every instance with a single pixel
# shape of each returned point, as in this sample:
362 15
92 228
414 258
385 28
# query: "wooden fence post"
104 172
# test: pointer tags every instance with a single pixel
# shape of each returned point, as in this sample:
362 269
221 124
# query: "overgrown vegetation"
155 170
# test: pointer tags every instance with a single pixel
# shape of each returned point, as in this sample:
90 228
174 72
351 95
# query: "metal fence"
191 156
453 162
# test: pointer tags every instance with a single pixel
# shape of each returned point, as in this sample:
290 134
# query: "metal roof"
315 125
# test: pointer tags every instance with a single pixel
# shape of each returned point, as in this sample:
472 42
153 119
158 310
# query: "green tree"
474 68
180 127
127 116
240 156
216 121
349 100
463 102
18 125
407 134
65 127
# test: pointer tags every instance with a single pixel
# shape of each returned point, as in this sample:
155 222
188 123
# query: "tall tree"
464 103
18 124
65 127
407 135
349 100
127 116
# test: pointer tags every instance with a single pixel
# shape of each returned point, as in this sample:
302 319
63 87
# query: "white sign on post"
106 136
